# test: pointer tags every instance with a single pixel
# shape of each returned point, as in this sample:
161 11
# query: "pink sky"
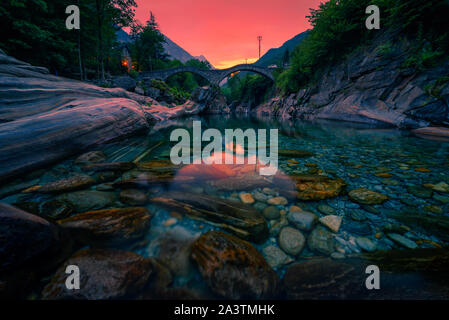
225 31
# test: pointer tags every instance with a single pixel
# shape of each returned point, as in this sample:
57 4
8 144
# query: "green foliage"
250 87
147 48
339 28
36 33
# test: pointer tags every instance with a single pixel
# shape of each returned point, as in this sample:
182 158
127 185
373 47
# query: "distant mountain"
176 52
170 47
274 55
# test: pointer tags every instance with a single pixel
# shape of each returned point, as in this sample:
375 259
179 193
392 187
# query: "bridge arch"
246 67
213 76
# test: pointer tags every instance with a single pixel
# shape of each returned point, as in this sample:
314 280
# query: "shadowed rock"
108 227
233 268
105 274
404 274
29 247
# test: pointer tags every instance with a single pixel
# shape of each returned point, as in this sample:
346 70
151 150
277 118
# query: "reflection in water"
341 190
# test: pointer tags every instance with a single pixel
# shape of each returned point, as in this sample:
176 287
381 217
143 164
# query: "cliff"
373 86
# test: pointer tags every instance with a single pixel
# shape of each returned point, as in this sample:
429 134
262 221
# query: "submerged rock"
111 166
90 157
238 183
366 196
64 185
312 187
302 220
104 274
233 268
321 241
406 274
83 201
175 254
403 241
25 237
108 227
325 209
366 244
419 192
30 247
238 218
275 257
56 209
294 153
291 241
133 197
435 225
315 275
332 222
271 213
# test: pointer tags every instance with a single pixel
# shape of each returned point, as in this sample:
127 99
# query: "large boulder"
29 247
72 116
233 268
104 274
109 227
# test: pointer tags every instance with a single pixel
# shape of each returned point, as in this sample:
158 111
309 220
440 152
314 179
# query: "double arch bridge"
213 76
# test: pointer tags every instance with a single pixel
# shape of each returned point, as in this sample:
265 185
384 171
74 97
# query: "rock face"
233 268
108 227
50 118
372 87
105 274
72 115
240 219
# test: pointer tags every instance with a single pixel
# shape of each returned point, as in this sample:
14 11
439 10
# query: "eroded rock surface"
233 268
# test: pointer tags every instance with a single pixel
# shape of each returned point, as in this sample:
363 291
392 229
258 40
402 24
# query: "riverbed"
367 189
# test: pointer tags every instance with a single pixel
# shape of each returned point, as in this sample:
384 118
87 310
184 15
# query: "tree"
147 49
108 14
286 58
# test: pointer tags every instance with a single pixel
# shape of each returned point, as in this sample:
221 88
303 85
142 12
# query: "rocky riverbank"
44 118
373 86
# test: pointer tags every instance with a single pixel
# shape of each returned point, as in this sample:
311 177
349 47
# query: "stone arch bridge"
213 76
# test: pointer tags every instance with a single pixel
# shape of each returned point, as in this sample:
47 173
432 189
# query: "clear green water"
392 162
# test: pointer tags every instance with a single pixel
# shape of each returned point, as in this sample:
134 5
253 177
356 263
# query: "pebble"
246 198
278 201
332 222
291 241
271 212
325 209
170 222
366 244
275 257
302 220
402 240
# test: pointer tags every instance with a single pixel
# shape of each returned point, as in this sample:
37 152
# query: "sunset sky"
225 31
